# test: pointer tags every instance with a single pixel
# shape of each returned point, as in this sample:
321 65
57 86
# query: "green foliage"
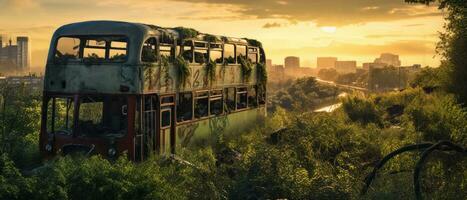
361 110
262 75
186 33
211 71
246 67
12 184
211 38
253 42
304 94
429 77
453 45
183 70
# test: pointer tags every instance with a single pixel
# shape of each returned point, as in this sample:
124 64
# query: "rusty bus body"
112 87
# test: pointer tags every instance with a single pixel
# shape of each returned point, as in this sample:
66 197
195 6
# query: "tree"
453 45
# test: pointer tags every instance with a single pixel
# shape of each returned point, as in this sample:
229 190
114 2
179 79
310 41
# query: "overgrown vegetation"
211 71
183 70
296 155
246 67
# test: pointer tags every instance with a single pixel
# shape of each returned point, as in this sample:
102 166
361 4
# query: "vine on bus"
211 38
186 33
183 70
246 67
261 76
165 69
211 71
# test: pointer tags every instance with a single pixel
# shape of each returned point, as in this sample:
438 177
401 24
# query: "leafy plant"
186 33
211 71
253 42
246 67
211 38
183 70
262 75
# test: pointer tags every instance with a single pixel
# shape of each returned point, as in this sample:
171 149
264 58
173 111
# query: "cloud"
401 47
272 25
326 12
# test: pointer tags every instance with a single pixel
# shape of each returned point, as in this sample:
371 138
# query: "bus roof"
139 31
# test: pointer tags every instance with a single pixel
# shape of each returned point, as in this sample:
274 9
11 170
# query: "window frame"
221 50
216 97
179 95
234 53
158 59
196 98
239 91
82 42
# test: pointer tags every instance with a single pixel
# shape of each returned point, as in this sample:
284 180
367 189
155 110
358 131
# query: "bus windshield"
100 116
91 49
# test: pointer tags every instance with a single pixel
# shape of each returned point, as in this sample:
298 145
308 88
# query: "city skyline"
358 31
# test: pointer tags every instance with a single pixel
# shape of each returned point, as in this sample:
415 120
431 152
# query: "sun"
328 29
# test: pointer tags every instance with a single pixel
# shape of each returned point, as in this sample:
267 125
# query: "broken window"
252 100
229 53
241 51
185 107
102 115
67 48
117 51
201 53
92 49
230 99
215 102
215 53
187 53
242 98
149 52
201 104
60 112
165 50
253 55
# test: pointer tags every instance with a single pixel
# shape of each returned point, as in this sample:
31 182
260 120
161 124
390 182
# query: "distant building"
345 67
15 57
326 62
388 59
292 62
366 66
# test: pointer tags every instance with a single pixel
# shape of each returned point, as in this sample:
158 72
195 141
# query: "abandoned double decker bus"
115 87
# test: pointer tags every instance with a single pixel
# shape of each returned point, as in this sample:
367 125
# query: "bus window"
185 107
241 51
215 53
229 99
62 108
94 50
252 100
188 51
201 53
253 55
102 115
165 50
149 53
67 48
117 51
215 102
242 98
166 118
229 53
201 104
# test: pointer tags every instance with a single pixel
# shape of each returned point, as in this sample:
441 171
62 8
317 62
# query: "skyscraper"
292 62
24 53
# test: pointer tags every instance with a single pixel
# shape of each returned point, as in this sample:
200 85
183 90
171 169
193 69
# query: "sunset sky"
348 29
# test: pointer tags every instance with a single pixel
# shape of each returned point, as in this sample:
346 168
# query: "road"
342 86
